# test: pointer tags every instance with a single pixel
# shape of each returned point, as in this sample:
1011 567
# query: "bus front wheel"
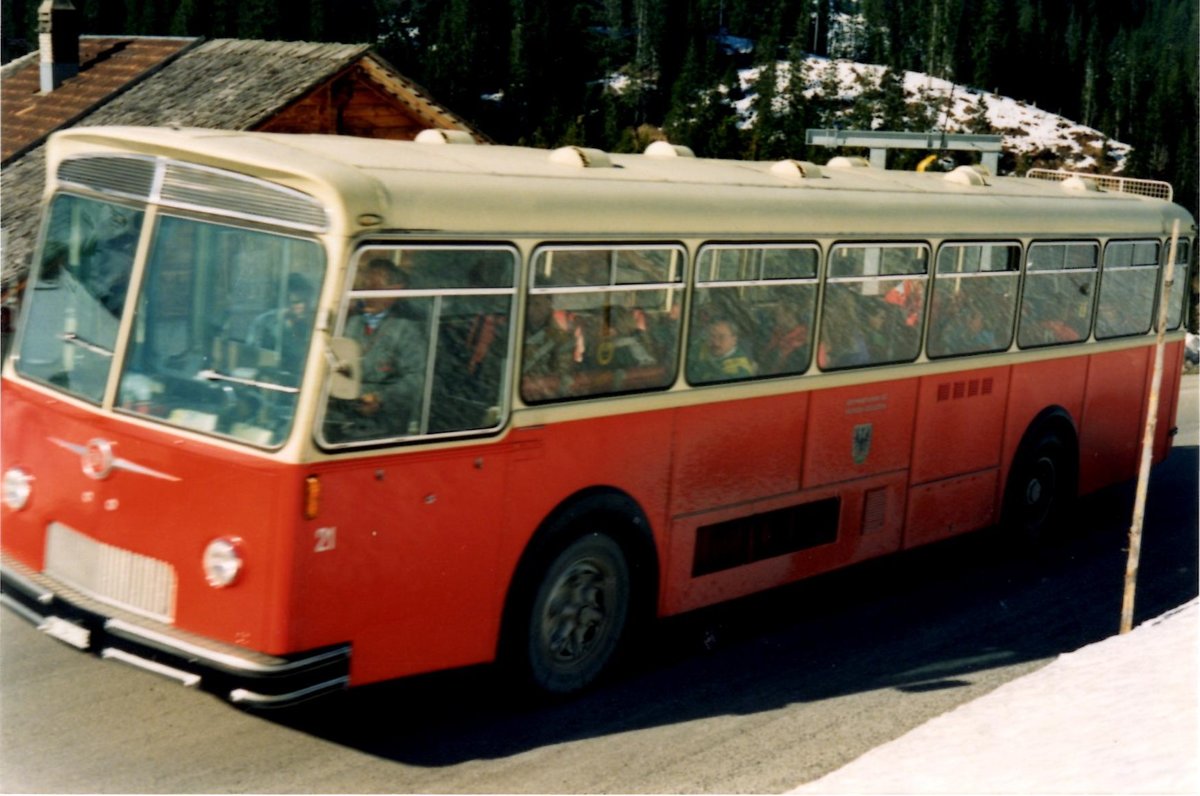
578 615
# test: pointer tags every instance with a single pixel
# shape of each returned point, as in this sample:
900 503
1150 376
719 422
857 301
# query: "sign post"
1139 504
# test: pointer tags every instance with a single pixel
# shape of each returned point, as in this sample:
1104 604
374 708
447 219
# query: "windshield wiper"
87 345
213 375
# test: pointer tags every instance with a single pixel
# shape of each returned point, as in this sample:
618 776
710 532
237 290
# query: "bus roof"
376 185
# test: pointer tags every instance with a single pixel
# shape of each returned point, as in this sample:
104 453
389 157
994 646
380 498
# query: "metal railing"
1156 189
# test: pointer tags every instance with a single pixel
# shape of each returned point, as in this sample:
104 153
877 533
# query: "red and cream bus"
286 414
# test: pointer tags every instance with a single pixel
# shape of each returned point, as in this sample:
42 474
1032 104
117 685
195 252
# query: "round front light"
222 562
18 485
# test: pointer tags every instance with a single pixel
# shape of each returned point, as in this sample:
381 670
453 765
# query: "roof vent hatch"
581 157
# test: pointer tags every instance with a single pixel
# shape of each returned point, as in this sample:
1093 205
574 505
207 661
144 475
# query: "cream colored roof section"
346 191
512 191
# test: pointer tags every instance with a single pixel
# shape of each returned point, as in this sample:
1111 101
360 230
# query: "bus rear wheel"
578 615
1037 487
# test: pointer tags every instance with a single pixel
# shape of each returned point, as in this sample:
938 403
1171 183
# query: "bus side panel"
870 513
1168 402
737 452
951 506
1110 428
1034 386
960 423
858 431
630 453
956 454
401 561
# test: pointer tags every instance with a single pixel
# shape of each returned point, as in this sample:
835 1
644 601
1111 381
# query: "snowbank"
1118 716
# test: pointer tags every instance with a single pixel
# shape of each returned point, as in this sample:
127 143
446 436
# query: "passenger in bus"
787 349
620 341
885 332
975 334
548 361
909 296
721 358
393 363
286 329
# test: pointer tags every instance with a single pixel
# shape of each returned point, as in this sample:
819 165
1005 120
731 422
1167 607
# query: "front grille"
124 176
130 581
243 197
193 187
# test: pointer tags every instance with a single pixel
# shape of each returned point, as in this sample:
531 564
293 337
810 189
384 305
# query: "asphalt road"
757 696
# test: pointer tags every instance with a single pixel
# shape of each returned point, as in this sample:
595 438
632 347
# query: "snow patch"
1025 128
1118 716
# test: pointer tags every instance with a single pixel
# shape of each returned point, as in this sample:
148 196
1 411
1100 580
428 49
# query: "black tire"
1040 482
577 616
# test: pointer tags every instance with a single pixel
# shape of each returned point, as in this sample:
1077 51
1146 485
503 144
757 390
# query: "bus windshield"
221 324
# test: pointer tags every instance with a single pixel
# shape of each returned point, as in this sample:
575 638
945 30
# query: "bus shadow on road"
920 621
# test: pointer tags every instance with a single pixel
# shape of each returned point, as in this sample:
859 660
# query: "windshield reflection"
74 309
222 329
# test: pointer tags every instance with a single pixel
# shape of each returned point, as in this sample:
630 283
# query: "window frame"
1028 273
830 280
363 253
700 283
937 278
680 264
1106 268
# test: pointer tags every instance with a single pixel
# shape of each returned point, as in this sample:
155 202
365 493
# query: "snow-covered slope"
1027 130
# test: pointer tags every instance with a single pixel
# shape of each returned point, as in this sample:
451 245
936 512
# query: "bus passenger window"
753 312
974 299
1128 285
393 360
1179 290
601 320
1056 306
874 303
433 326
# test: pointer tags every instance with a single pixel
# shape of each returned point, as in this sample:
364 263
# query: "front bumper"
239 675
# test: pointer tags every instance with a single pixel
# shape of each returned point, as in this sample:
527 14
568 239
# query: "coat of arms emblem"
862 442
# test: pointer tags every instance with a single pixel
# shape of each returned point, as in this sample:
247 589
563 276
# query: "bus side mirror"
345 368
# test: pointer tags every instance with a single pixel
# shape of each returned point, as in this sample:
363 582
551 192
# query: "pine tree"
765 137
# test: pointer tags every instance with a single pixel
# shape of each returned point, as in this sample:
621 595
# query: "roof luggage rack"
1156 189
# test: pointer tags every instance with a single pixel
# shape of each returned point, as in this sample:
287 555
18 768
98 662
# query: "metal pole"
1139 503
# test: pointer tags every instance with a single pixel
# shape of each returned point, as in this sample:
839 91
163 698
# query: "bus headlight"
223 561
18 486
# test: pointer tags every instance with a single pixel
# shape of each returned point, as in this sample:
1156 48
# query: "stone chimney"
58 41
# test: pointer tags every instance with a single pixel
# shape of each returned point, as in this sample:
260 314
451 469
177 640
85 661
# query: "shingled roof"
225 83
108 65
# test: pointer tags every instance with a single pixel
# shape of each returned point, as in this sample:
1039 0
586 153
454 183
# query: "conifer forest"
614 73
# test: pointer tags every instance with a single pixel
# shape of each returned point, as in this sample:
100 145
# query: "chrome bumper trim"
186 679
241 696
29 615
118 627
38 593
254 679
